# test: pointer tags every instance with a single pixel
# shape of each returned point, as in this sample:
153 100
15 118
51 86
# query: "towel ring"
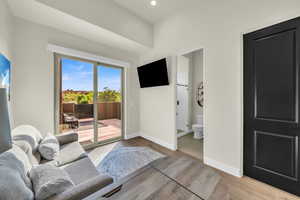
200 94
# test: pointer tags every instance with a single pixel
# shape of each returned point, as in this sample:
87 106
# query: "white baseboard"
131 135
160 142
223 167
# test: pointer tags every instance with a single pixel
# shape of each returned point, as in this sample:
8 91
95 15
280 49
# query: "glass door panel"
77 99
109 103
89 100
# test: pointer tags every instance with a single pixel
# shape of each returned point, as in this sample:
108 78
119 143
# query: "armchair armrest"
84 189
67 138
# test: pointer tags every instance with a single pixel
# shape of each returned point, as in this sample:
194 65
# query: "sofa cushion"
81 170
35 158
28 134
12 186
85 189
14 182
68 153
49 180
49 147
16 159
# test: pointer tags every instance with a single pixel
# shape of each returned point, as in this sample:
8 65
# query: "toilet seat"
197 126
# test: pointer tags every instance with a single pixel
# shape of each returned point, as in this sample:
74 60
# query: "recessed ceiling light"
153 3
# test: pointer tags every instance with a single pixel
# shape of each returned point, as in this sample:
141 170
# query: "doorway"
271 105
89 100
190 103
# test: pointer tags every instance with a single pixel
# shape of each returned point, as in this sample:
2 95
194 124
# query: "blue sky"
4 71
78 75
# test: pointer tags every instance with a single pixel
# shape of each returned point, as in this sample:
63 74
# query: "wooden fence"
106 110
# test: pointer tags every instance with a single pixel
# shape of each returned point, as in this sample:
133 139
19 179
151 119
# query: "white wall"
183 111
5 30
107 14
45 15
158 108
197 78
33 74
183 70
218 27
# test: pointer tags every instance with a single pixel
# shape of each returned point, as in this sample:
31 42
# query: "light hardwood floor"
182 177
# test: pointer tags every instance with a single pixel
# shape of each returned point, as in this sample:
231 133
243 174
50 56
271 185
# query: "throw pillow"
28 134
14 182
49 147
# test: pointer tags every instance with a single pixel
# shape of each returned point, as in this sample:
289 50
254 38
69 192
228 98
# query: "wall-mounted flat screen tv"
153 74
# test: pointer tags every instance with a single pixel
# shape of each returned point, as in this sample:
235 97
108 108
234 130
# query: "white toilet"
198 128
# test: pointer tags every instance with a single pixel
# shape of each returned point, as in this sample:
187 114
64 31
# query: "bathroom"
189 110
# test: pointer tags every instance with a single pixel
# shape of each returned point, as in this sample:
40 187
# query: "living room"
249 139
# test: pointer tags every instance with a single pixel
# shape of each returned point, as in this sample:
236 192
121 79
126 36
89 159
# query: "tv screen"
153 74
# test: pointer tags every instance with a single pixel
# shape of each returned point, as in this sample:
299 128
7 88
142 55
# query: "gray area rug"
124 161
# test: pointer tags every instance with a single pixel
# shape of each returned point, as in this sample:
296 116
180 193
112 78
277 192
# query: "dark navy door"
271 105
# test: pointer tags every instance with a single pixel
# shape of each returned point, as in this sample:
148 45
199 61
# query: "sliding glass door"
109 102
89 100
77 102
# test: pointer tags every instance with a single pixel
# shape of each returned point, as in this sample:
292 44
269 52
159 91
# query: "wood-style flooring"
193 147
182 177
107 129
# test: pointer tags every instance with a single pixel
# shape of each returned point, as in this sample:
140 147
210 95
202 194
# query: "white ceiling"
153 14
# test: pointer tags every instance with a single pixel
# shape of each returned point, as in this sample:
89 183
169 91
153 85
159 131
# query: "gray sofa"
72 158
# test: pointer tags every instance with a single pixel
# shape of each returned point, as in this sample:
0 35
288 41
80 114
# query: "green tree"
109 95
83 99
79 97
69 97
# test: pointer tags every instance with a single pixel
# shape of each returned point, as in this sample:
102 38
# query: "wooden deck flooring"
108 129
181 177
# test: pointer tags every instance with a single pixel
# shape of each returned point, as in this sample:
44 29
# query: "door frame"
57 96
182 53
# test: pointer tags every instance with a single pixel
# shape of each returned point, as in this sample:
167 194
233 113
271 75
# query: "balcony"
80 118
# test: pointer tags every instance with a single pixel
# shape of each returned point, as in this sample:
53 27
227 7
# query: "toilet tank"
199 119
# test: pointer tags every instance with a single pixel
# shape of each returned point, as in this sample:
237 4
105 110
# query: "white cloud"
79 67
66 77
86 74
